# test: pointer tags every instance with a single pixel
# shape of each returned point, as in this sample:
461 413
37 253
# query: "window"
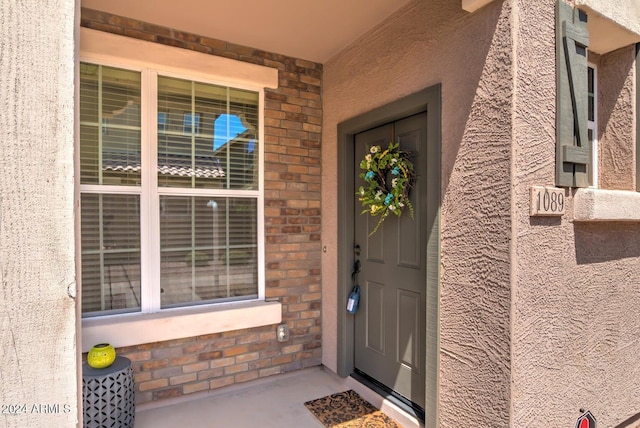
170 202
592 120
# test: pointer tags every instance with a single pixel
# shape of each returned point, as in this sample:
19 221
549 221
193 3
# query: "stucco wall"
575 290
37 271
625 13
426 43
538 315
616 135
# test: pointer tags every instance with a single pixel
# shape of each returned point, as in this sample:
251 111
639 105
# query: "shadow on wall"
545 221
629 423
602 242
476 111
615 108
614 69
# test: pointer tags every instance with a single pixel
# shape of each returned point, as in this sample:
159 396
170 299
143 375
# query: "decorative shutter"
573 150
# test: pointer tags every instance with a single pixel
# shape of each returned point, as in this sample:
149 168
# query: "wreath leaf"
389 177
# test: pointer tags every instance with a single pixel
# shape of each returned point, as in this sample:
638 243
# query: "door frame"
428 100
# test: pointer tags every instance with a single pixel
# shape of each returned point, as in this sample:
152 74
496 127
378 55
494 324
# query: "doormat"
348 410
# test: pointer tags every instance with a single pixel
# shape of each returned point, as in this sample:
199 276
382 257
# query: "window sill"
606 205
136 329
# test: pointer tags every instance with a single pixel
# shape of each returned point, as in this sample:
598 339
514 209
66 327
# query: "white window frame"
152 324
592 125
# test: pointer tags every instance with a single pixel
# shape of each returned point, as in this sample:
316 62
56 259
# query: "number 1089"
547 201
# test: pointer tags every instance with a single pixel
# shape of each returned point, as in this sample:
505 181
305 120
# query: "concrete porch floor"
274 402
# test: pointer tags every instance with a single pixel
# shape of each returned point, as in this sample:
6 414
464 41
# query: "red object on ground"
586 421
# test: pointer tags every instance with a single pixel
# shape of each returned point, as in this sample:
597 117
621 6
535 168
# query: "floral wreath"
390 176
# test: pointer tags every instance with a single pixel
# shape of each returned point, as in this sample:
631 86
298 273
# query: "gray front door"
390 322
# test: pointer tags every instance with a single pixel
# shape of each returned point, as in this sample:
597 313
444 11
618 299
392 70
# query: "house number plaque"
547 201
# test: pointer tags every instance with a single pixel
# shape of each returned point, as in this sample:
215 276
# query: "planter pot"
101 356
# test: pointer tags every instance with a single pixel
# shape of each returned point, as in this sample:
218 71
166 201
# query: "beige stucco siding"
538 316
616 114
625 13
575 286
425 44
37 270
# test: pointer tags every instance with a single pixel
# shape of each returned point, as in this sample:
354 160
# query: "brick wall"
293 119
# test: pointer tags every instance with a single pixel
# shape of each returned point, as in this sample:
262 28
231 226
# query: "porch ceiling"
313 30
